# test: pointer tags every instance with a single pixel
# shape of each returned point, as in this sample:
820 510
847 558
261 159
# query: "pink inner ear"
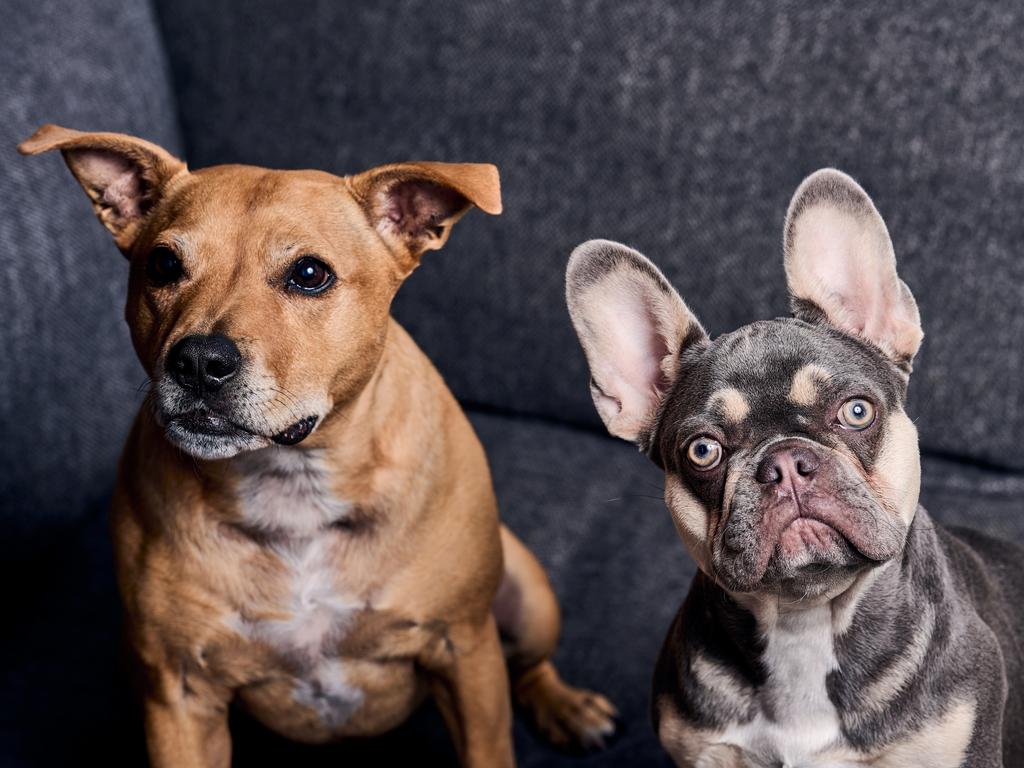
414 206
116 177
627 323
844 264
638 350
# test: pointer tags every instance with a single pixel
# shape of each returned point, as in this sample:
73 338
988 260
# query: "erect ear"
840 266
122 175
414 205
633 326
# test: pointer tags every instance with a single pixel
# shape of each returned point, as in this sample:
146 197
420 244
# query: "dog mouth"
807 534
207 425
297 432
810 542
821 541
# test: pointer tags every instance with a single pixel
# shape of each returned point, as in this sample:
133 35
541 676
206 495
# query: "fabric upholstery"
69 380
679 128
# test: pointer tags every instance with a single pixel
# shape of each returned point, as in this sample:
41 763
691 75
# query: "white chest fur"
288 490
287 494
797 725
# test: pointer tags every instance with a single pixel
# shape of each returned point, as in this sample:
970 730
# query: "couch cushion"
991 500
590 508
68 379
680 128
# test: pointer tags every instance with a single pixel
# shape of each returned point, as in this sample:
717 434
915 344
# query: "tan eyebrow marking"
730 403
804 389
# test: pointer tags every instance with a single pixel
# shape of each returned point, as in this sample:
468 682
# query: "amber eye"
704 452
857 414
163 266
310 275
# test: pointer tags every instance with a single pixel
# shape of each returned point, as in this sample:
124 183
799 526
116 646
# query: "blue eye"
856 414
704 452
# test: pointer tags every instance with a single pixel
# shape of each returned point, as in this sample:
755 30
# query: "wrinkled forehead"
768 373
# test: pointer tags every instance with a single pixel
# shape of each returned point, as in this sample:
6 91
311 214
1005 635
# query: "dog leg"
529 621
471 691
186 723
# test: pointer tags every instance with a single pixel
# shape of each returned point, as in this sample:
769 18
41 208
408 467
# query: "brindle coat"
833 622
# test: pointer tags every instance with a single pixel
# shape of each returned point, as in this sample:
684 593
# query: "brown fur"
424 554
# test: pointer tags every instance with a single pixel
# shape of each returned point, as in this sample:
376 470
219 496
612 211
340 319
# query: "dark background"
681 128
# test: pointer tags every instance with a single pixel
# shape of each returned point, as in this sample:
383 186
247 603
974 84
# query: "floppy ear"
122 175
840 266
632 326
414 205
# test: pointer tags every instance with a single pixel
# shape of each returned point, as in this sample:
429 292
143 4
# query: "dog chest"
304 613
797 724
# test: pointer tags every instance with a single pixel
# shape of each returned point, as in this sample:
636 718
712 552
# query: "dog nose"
202 364
793 465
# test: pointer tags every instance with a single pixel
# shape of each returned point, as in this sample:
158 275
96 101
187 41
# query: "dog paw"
570 718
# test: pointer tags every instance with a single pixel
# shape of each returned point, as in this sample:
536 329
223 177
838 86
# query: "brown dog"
327 587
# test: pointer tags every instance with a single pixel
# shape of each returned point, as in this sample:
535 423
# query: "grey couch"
678 127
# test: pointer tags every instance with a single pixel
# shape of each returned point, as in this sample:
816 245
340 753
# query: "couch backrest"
69 380
679 128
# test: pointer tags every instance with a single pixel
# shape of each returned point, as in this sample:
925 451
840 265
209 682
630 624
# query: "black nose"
795 465
202 364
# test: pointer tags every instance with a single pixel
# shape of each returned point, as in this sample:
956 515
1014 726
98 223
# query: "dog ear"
633 326
414 205
122 175
840 266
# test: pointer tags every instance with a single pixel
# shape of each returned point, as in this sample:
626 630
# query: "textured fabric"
682 132
589 506
679 128
68 376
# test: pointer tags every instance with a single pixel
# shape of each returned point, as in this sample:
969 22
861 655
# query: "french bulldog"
832 621
304 522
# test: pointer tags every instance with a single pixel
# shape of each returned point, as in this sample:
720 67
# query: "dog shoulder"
703 683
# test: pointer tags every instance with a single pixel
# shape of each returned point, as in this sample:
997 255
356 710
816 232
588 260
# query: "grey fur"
924 636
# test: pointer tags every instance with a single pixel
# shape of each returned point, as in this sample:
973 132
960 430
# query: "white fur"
805 725
804 731
288 491
328 693
314 615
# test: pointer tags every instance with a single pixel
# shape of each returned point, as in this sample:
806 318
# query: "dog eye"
856 413
163 267
704 452
310 275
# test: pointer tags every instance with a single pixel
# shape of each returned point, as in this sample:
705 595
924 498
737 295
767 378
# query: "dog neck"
880 594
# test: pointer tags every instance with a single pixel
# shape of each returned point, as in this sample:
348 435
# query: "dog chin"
816 569
207 435
210 446
804 564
